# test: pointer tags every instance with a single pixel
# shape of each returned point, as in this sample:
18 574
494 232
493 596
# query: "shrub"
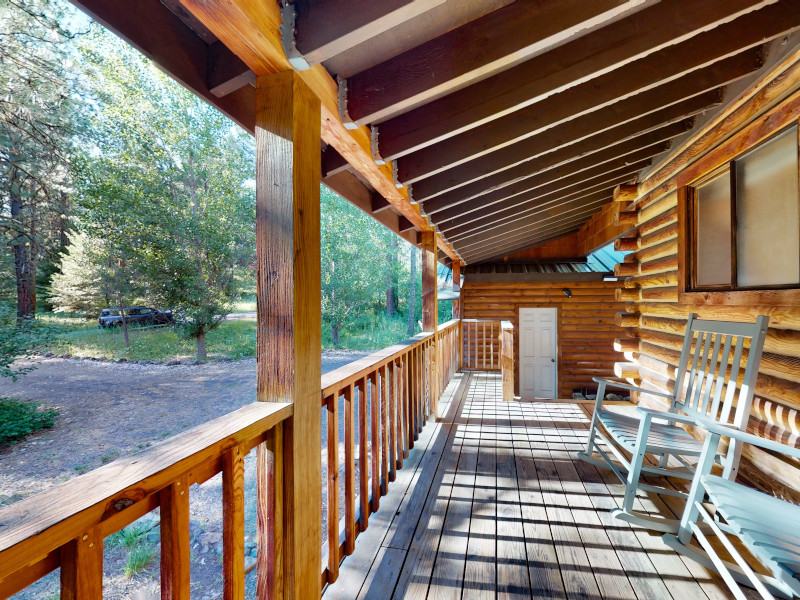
18 419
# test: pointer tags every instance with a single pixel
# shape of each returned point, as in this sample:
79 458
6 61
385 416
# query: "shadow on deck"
493 503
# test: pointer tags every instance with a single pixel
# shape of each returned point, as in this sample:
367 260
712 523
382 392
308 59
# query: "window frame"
688 290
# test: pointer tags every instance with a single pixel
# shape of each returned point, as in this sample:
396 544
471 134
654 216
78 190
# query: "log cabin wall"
657 304
586 328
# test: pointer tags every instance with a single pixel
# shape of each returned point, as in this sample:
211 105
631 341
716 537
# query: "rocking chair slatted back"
707 380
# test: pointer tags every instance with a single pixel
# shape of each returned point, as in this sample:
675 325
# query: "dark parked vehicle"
135 315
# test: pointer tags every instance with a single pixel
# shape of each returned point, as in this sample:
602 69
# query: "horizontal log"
626 269
626 244
660 265
659 294
660 207
659 236
659 280
780 317
662 220
626 294
627 320
626 193
666 248
626 218
626 344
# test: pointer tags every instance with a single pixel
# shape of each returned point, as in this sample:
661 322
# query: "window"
744 221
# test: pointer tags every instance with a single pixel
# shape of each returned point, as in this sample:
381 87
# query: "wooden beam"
627 217
527 245
523 226
333 163
379 203
493 42
521 179
165 39
325 29
252 31
480 219
626 193
585 180
574 102
404 225
460 230
615 123
651 140
457 288
226 71
288 327
598 52
529 238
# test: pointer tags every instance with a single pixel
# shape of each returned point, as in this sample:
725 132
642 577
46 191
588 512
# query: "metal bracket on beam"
376 153
397 184
287 29
341 96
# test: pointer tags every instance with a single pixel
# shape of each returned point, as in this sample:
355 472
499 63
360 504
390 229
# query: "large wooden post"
288 342
430 311
457 288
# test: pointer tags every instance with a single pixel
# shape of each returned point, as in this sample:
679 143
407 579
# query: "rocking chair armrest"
627 386
729 431
669 416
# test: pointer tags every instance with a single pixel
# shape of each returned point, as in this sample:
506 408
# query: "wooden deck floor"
492 503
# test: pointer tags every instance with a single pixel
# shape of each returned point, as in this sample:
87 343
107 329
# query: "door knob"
552 360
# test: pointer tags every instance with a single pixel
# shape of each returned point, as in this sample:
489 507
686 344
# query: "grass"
232 339
141 552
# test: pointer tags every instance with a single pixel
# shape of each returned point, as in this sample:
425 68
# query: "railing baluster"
384 431
269 514
375 457
82 567
408 437
175 577
349 472
233 524
394 422
363 459
332 403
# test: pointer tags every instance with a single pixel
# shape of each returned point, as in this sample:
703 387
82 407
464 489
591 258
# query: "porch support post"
288 339
430 312
457 288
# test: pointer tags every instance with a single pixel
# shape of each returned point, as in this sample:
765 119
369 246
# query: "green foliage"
167 183
78 287
19 419
39 119
19 339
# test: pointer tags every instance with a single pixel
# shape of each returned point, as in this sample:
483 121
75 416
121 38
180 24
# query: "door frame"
518 362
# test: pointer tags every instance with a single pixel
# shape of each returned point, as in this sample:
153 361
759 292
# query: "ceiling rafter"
658 29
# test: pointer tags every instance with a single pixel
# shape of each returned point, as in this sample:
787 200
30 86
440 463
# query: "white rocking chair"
702 377
768 527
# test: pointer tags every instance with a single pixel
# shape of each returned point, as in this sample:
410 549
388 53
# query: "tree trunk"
412 292
335 334
125 337
24 270
391 258
201 346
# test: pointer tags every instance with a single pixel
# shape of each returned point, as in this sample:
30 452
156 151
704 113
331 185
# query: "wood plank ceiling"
511 122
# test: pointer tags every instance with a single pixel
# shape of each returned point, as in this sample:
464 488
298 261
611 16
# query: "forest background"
119 188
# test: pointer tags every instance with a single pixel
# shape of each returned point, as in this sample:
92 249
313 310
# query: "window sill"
786 297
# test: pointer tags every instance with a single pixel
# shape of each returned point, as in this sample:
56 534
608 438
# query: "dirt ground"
110 410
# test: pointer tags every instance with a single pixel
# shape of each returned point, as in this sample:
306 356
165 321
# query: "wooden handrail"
398 388
35 532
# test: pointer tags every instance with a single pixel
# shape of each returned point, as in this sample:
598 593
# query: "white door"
538 352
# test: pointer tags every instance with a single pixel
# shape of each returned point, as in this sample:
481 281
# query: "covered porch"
493 502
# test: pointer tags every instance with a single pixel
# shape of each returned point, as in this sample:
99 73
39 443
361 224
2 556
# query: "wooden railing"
481 345
385 398
65 526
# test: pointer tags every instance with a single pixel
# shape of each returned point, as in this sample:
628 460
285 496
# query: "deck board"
492 503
